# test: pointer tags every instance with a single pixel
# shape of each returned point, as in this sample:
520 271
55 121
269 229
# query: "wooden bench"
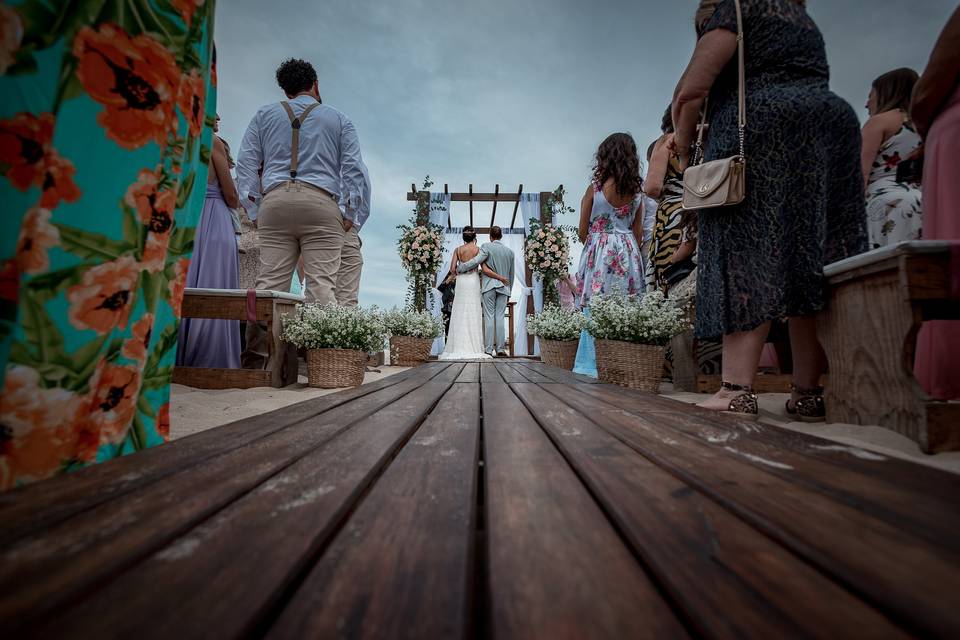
232 304
507 500
877 302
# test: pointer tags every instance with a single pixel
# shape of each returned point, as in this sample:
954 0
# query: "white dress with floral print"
893 208
611 259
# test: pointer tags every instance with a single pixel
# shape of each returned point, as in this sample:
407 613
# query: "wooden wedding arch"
422 198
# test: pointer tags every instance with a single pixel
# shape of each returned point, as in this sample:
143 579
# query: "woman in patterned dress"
104 141
611 228
889 137
763 259
664 183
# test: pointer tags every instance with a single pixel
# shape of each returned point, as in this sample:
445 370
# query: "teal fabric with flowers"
105 137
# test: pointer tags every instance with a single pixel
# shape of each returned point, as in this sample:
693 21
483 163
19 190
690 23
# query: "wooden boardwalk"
507 500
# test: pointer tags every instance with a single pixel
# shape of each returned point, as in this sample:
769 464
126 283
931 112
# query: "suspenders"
295 123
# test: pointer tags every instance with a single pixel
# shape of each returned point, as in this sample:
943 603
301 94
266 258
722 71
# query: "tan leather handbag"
719 183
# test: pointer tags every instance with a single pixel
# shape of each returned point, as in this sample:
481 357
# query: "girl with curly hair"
613 227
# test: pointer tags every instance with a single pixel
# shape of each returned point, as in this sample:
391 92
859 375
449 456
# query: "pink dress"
938 345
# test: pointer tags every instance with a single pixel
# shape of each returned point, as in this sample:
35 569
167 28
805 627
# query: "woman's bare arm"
653 185
586 209
713 52
454 259
873 133
221 167
940 78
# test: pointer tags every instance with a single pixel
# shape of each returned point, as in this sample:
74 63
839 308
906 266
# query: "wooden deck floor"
507 500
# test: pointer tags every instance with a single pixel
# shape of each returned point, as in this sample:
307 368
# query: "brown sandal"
743 406
810 407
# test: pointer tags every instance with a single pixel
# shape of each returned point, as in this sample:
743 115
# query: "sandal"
810 407
744 405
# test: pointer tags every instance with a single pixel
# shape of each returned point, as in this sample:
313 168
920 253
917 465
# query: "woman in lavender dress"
215 265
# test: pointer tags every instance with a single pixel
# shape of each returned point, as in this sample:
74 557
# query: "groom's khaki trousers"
351 265
494 310
296 220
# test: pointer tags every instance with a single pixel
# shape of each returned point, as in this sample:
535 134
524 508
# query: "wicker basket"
637 366
559 353
335 368
406 351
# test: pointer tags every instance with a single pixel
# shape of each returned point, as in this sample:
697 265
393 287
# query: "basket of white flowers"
559 332
631 334
337 340
411 335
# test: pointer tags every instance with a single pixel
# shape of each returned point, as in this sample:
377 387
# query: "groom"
495 293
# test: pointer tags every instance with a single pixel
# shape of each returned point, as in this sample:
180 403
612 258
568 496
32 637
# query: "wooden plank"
943 426
917 499
493 216
451 373
489 373
470 373
729 579
516 207
477 196
530 374
230 574
470 200
227 308
556 566
916 584
211 378
361 585
40 506
560 375
53 565
508 373
926 277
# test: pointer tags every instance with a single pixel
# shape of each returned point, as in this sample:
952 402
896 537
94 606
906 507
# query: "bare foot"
720 401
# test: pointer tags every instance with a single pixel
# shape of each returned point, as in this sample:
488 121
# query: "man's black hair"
296 76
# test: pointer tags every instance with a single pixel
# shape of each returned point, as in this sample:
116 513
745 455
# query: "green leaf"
40 333
40 22
25 65
137 433
20 354
184 190
181 242
166 342
134 231
157 380
204 154
46 286
90 245
191 143
143 403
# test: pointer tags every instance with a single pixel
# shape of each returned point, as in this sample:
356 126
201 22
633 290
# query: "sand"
195 410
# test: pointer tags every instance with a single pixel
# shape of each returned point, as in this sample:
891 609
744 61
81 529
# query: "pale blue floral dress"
611 262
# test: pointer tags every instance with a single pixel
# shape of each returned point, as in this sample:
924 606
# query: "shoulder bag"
719 183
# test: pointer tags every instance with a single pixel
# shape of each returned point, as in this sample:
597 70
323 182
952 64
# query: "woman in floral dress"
611 228
894 212
104 141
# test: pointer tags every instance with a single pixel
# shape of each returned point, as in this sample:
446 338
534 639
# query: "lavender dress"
215 265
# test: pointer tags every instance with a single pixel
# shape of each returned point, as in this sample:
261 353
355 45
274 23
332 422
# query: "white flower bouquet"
648 319
631 334
421 250
414 324
315 326
556 323
547 251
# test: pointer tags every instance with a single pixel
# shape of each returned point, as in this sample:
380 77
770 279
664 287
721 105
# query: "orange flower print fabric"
105 208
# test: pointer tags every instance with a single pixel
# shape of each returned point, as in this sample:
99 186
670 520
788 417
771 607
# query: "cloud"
505 91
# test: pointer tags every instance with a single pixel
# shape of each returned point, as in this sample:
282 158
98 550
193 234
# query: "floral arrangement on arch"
546 249
421 251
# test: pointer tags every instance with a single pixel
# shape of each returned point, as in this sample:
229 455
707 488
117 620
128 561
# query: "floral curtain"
105 136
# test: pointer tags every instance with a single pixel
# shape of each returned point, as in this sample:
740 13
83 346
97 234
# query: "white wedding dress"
465 338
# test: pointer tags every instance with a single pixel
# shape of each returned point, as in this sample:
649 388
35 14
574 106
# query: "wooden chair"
877 302
239 304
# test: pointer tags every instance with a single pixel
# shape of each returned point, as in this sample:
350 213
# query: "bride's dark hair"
469 235
617 158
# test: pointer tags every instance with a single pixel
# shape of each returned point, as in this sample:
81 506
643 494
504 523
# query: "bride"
465 337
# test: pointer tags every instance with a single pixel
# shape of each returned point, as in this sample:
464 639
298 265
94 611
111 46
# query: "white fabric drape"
513 239
439 212
529 208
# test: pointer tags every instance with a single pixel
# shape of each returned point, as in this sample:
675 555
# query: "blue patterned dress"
610 263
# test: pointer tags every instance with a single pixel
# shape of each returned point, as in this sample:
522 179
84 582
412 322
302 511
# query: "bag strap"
741 95
295 124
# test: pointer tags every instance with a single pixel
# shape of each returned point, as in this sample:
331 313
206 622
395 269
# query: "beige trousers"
299 220
295 220
351 264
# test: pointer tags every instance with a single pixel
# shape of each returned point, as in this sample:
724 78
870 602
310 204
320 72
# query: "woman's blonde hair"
708 7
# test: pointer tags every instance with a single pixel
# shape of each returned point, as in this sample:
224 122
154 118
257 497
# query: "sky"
507 92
